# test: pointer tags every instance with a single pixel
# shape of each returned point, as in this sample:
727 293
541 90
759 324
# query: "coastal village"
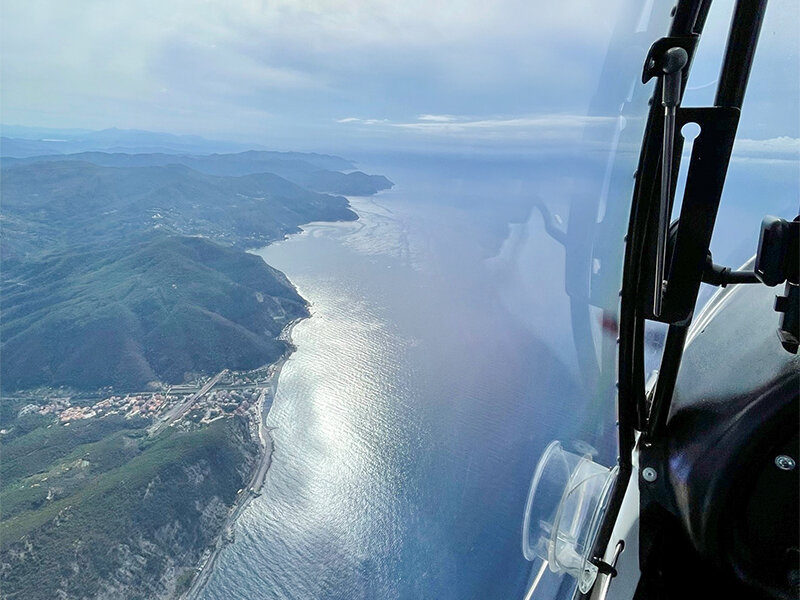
233 393
186 407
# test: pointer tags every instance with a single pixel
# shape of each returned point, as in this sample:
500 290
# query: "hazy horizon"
322 76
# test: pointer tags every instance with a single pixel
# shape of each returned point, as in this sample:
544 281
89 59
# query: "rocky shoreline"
262 432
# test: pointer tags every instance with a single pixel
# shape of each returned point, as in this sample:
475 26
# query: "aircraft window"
763 177
361 418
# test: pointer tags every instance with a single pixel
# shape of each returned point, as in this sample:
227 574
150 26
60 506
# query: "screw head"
785 463
649 474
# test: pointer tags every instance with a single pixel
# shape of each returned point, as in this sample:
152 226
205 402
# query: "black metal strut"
685 260
708 166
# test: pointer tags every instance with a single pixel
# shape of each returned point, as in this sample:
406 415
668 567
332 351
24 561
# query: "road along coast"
259 413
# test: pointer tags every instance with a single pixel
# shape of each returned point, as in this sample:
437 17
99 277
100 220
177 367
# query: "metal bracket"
656 498
690 240
655 60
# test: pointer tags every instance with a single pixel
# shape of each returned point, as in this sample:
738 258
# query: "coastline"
265 440
253 489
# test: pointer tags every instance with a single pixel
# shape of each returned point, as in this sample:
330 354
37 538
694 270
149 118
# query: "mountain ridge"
126 276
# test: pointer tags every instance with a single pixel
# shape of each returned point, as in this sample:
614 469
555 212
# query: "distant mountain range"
318 172
124 270
65 204
21 141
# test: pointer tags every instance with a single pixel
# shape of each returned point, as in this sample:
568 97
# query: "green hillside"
123 276
121 273
148 311
107 512
48 206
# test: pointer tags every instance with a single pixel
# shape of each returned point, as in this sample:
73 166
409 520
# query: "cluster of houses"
145 405
220 403
216 404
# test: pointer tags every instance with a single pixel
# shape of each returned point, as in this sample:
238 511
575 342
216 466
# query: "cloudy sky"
314 74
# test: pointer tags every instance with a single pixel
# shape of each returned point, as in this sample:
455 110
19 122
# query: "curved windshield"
763 176
572 247
296 295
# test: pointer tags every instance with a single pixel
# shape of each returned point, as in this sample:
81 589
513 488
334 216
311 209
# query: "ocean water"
409 420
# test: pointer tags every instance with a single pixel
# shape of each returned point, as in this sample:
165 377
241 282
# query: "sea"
438 362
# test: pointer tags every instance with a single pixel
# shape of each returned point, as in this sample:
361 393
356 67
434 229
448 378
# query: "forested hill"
142 312
128 275
48 206
317 172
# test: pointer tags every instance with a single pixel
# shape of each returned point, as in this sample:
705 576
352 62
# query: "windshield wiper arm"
674 61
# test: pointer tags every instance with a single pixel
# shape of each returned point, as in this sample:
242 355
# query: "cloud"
364 121
783 147
783 151
263 68
136 63
538 128
437 118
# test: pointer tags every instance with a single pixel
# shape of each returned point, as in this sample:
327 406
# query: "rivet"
649 474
